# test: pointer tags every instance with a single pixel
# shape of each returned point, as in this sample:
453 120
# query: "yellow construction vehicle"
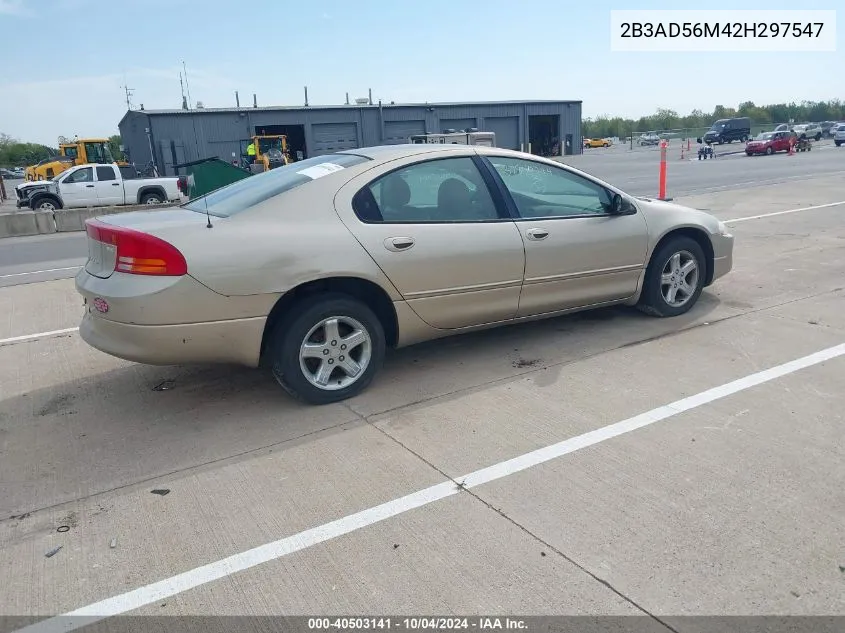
269 152
76 152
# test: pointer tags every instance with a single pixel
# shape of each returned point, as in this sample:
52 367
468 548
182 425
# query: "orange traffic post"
664 144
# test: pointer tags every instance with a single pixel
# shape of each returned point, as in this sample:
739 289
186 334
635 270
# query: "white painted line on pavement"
46 270
38 335
768 215
271 551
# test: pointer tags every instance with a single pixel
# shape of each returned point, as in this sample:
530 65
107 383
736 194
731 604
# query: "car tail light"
182 184
138 253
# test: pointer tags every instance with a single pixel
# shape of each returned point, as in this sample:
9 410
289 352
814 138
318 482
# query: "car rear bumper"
160 320
235 341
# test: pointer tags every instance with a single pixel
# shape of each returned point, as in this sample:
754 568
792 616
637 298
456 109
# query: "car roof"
386 153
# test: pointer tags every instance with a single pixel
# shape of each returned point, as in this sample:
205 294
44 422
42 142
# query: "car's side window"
443 190
105 173
543 191
83 175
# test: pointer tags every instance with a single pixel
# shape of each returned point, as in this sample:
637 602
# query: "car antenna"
197 145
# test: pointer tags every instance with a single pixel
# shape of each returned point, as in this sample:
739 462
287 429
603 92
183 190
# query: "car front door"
77 188
107 185
447 245
577 253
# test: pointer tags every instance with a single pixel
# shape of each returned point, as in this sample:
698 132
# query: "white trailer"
487 139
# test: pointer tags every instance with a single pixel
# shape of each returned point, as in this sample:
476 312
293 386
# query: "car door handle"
90 186
398 244
115 184
537 234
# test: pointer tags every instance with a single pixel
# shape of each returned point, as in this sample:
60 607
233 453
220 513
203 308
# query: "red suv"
771 142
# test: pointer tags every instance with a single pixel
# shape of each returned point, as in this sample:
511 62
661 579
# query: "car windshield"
765 136
247 193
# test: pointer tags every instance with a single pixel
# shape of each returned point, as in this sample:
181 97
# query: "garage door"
331 137
459 125
506 129
397 132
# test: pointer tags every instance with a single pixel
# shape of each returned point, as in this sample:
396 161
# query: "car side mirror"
620 206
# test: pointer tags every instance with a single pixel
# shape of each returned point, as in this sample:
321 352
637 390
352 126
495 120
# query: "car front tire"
674 278
328 349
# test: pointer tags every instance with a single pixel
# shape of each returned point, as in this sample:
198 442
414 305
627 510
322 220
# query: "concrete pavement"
731 506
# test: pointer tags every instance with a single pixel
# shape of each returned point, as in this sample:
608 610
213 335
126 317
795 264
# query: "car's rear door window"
443 190
250 191
105 173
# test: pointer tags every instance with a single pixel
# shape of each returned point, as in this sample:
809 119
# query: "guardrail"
24 222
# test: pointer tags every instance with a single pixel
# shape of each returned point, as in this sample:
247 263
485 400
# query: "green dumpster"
207 174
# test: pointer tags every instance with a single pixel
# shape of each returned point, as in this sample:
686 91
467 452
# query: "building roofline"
351 106
128 114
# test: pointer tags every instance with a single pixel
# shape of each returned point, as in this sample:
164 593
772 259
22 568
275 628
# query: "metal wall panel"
398 132
459 125
134 138
332 137
506 129
218 132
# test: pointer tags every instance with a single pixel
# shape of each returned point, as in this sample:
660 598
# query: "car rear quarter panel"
154 300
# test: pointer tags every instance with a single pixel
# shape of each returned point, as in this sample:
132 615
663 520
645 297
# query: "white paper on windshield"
318 171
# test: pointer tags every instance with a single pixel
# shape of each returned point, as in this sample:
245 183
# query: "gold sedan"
596 142
316 268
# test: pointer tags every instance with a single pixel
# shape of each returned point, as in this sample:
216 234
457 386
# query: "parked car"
839 134
8 173
596 142
729 130
649 138
770 142
95 186
808 130
827 127
313 269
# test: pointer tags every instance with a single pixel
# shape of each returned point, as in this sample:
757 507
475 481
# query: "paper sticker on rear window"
318 171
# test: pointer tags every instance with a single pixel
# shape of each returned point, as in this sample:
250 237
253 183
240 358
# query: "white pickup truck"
95 186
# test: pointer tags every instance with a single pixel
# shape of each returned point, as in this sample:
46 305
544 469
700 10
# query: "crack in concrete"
461 486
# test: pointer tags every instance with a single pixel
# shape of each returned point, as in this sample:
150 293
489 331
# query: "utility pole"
128 92
182 88
187 85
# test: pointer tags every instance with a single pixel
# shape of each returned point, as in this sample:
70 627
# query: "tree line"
665 119
14 153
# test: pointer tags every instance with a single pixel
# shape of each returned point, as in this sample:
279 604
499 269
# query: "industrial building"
172 137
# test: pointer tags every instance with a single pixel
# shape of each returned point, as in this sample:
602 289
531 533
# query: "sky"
64 63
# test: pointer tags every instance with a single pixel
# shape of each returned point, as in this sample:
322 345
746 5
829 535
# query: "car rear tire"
837 143
674 278
328 349
818 137
151 198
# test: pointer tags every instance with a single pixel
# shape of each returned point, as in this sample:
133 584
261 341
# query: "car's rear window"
250 191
